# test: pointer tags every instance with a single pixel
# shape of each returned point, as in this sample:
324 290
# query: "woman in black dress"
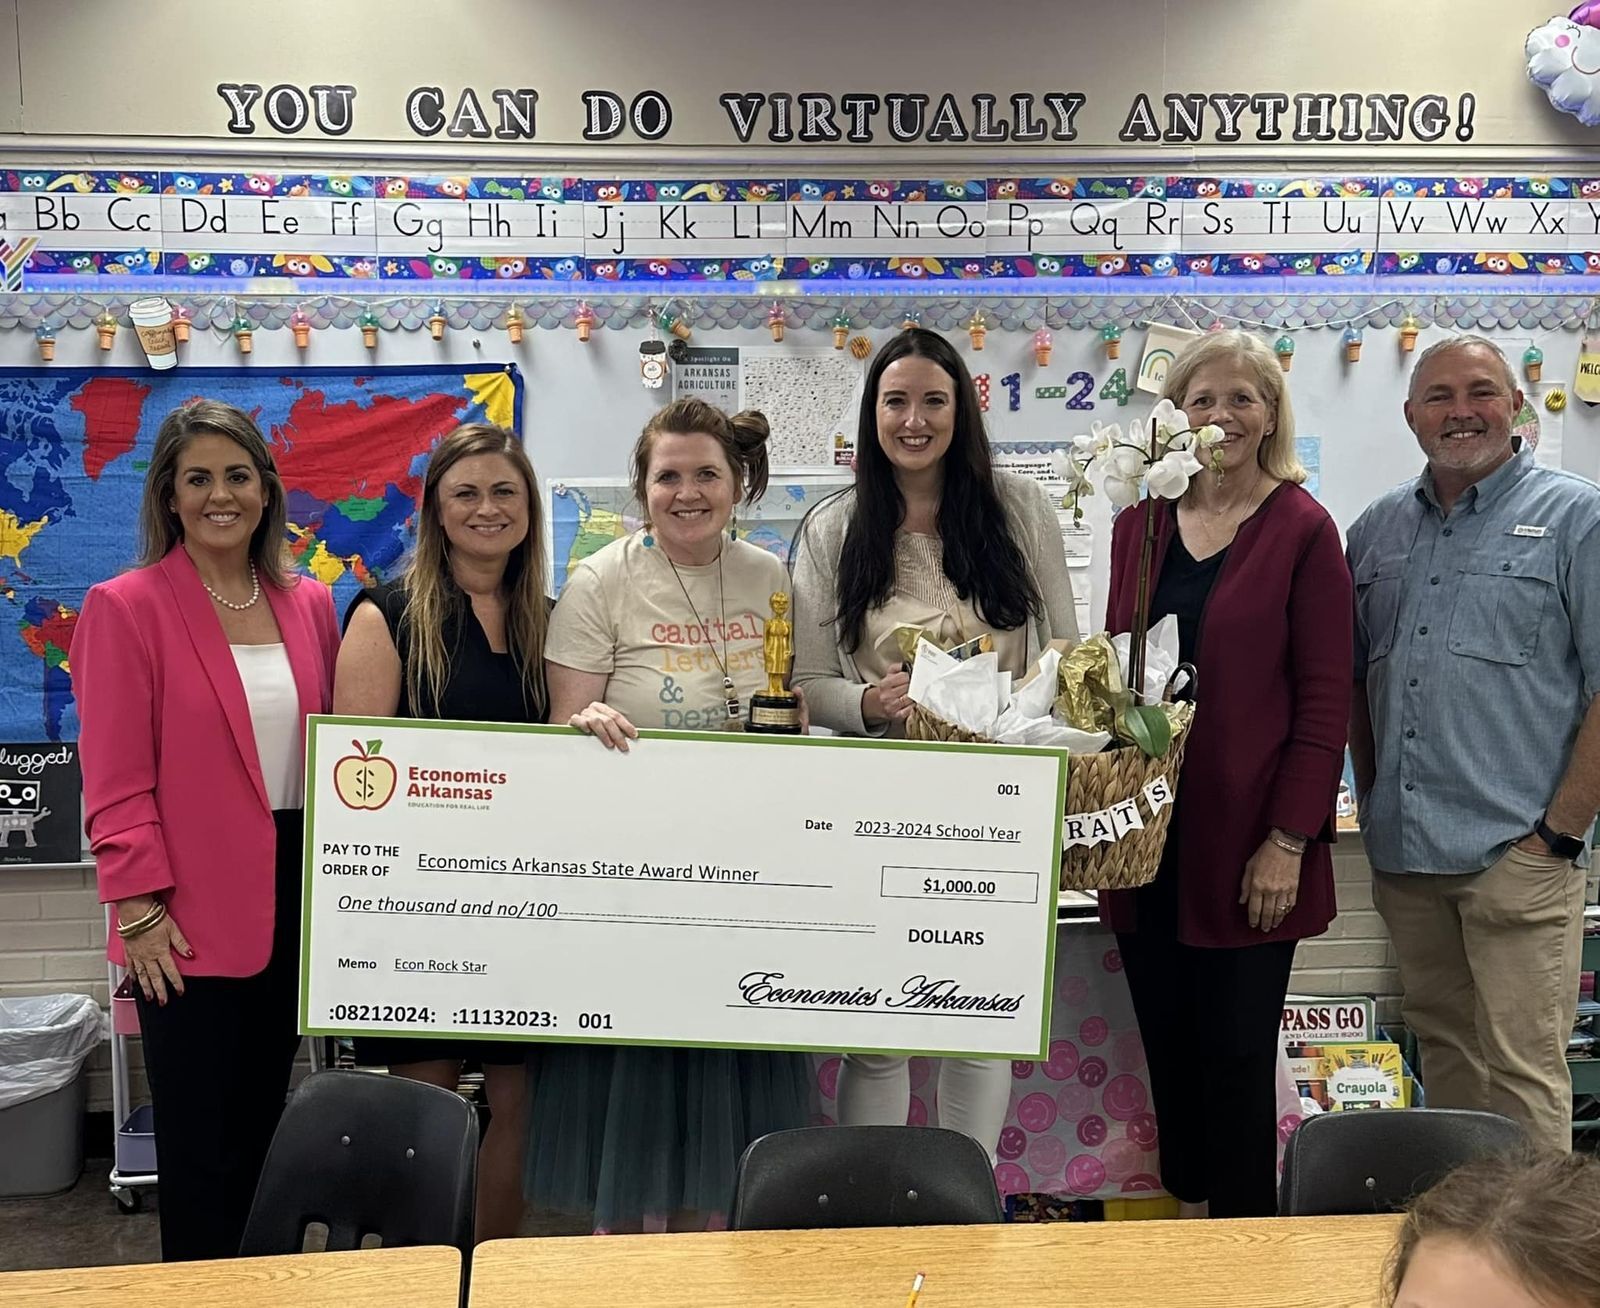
460 635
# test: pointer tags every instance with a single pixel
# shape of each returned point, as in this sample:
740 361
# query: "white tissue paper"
1160 658
982 701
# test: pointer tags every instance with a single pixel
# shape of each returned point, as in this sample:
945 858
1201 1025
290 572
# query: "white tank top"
274 701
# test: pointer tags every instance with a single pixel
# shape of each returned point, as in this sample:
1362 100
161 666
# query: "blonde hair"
743 438
433 598
1276 454
159 526
1537 1218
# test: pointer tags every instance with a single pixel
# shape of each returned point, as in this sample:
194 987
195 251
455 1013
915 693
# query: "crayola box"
1344 1077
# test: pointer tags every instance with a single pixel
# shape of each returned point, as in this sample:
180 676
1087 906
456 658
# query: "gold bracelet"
152 918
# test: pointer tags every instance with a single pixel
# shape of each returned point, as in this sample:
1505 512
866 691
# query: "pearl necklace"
255 593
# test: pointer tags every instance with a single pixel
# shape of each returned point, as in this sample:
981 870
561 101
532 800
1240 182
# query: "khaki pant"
1489 963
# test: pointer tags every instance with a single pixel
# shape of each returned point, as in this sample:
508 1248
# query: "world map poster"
351 446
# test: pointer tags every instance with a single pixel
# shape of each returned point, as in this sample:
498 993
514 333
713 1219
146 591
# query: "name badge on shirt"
1523 529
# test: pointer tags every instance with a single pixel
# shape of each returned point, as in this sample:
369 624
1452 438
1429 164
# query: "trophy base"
774 715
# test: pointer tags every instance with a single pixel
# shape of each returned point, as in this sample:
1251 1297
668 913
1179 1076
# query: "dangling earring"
733 526
649 540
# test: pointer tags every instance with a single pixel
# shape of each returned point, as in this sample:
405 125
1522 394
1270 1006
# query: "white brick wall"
1354 957
52 939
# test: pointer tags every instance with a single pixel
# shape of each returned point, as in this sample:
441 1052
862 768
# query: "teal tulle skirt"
622 1136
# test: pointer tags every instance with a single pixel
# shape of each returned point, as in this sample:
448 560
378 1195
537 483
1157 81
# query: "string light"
841 329
368 322
1043 343
1284 348
300 325
45 335
1409 327
1533 362
977 328
1352 344
515 323
437 322
1111 338
243 334
776 322
182 318
105 324
584 321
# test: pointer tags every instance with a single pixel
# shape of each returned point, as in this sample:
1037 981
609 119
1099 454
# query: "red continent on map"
333 451
111 409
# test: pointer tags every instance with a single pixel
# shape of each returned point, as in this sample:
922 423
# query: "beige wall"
102 68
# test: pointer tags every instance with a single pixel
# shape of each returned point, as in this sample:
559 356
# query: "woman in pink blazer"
194 673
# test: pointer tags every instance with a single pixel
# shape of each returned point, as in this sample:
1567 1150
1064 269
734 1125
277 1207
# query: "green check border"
750 740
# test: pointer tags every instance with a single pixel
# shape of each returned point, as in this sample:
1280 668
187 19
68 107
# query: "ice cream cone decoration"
1111 338
841 330
1043 343
776 321
584 321
913 318
1352 344
182 318
1533 362
670 322
437 322
45 335
1409 328
300 325
369 328
105 326
515 323
977 328
244 334
1285 351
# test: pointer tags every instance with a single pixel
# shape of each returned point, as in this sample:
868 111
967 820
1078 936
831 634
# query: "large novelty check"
704 889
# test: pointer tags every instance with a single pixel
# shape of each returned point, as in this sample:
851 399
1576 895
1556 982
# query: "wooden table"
418 1278
1333 1262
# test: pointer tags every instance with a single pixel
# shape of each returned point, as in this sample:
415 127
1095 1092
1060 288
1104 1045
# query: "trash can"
44 1040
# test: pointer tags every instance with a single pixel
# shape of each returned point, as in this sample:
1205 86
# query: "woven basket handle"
1170 695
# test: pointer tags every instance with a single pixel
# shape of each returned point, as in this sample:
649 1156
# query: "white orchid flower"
1168 418
1123 492
1126 464
1170 475
1063 466
1184 460
1181 440
1210 435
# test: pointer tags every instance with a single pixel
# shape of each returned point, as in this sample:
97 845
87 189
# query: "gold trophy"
775 711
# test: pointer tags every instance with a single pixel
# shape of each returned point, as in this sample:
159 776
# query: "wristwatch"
1561 844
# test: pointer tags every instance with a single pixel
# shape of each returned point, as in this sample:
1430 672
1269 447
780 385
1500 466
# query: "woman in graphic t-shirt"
663 629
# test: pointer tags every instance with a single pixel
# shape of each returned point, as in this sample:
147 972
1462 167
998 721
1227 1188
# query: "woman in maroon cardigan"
1252 568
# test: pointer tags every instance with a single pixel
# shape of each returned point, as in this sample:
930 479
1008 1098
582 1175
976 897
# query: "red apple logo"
362 779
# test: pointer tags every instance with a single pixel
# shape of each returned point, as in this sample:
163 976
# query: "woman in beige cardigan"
930 536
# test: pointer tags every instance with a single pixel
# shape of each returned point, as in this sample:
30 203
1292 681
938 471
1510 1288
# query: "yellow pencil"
916 1289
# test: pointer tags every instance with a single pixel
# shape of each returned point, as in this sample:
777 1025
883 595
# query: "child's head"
1503 1233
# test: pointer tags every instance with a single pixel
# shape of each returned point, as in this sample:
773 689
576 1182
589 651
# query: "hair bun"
750 428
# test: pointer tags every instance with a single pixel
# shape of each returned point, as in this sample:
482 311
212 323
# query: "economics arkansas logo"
362 779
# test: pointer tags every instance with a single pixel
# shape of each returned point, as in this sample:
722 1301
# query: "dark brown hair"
743 438
159 527
433 598
1539 1219
981 553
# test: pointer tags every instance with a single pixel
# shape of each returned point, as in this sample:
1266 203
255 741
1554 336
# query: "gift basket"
1111 702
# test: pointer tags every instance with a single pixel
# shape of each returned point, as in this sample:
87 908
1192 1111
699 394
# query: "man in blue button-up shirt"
1476 740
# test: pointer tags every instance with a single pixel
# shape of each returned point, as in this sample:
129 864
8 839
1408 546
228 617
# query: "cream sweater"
828 673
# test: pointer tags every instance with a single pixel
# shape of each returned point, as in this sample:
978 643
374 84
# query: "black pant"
218 1060
1210 1020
